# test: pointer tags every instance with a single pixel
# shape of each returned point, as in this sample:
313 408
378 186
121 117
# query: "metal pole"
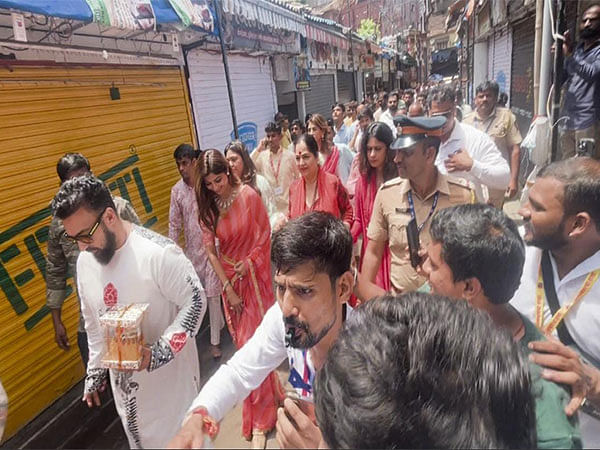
558 64
226 67
545 61
350 23
537 55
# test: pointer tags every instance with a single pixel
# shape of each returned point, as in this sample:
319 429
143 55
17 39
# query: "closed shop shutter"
345 86
501 60
321 96
521 93
253 92
46 112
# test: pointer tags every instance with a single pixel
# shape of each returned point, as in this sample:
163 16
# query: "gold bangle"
227 283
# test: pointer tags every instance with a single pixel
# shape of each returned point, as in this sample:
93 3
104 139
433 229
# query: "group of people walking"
258 227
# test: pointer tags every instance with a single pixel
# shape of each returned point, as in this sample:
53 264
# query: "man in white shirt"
466 152
394 107
343 132
381 104
311 256
122 264
562 221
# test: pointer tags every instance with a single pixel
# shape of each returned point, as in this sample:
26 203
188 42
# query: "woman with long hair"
316 190
377 166
234 213
243 168
335 159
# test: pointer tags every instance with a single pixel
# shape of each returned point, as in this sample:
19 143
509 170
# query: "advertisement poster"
194 12
301 72
124 14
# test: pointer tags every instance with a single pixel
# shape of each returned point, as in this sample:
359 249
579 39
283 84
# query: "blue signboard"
248 132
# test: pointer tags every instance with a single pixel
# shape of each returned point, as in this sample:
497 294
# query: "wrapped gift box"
123 336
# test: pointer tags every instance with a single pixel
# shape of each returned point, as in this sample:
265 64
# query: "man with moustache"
420 191
311 257
559 291
466 152
469 243
122 264
395 105
499 124
581 105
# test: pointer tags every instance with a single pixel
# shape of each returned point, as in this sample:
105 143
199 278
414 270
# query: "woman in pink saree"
234 214
377 166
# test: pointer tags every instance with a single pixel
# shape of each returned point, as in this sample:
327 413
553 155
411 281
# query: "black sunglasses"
86 238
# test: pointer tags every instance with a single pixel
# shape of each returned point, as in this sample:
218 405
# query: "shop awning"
140 14
266 13
327 37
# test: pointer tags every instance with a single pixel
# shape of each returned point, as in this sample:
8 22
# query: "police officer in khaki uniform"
499 124
418 193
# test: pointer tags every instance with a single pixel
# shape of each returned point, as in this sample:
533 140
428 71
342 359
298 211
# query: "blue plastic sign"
248 132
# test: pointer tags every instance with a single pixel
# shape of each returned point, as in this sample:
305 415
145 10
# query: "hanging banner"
194 12
124 14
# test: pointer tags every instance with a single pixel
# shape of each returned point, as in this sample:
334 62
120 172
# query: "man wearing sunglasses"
418 194
63 253
122 264
466 152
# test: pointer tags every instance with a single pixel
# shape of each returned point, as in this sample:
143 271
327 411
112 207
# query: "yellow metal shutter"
48 111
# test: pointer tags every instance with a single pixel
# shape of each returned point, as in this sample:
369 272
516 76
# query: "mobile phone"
586 147
412 235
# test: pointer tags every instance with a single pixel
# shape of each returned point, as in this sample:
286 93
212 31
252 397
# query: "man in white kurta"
466 152
121 263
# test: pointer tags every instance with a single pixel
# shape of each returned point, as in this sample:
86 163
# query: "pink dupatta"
364 199
331 163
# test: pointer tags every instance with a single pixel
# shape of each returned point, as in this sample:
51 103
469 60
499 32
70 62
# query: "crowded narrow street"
300 224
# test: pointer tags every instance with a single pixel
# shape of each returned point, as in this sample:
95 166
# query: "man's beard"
549 241
104 255
307 339
590 33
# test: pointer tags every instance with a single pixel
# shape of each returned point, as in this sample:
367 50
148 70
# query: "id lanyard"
589 282
411 204
276 174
